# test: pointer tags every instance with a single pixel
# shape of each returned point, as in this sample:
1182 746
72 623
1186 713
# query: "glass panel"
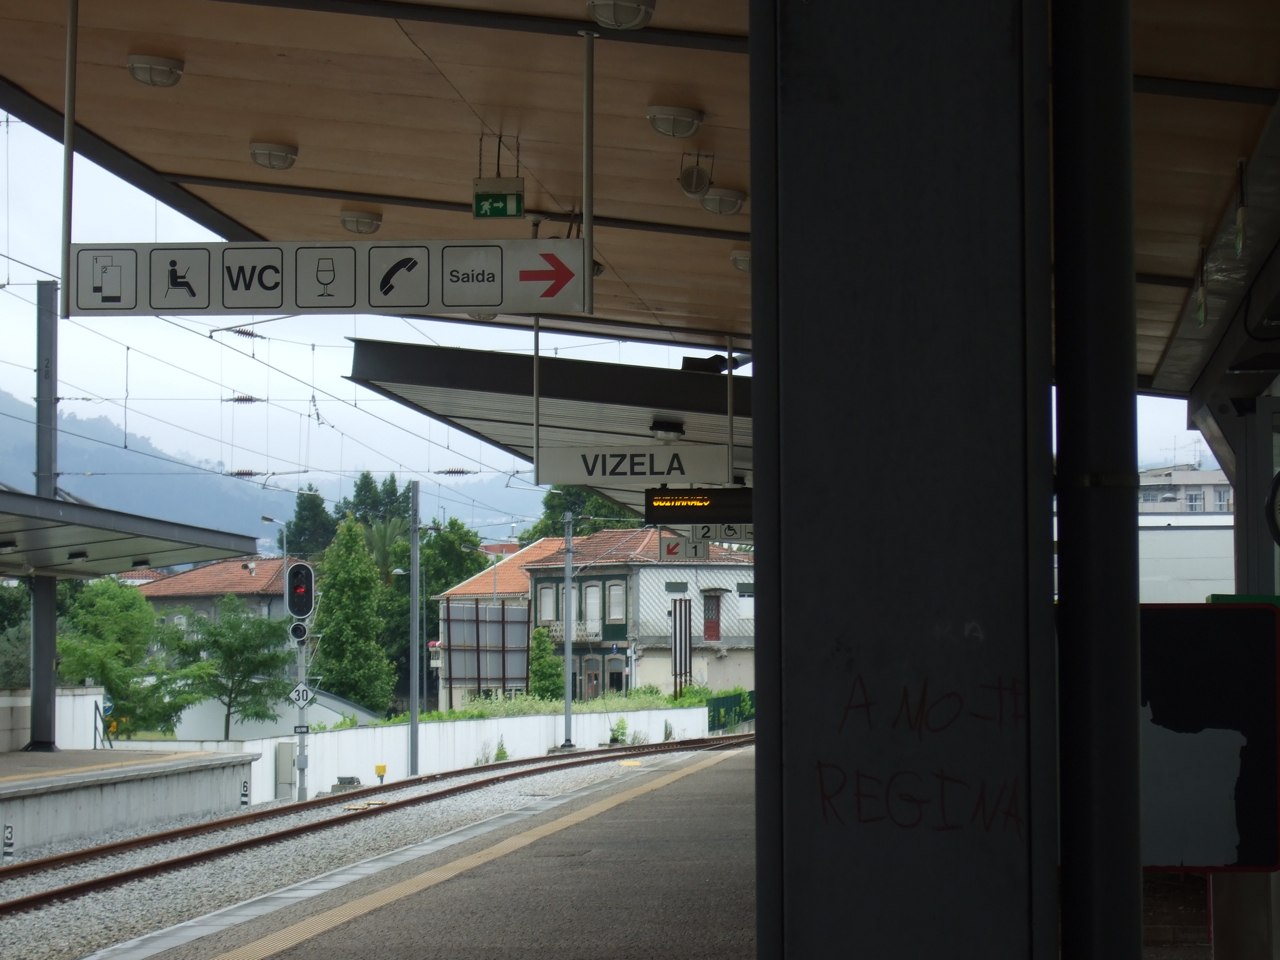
591 606
617 609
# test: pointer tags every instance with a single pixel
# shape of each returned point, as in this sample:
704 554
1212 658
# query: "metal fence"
725 713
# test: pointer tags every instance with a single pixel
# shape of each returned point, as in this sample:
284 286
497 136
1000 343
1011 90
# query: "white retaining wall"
442 746
73 720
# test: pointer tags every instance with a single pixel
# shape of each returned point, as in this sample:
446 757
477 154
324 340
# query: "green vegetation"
242 659
111 636
618 732
643 698
546 670
591 511
349 661
311 529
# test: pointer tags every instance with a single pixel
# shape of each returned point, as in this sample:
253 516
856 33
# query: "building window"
571 608
546 603
1222 499
1195 501
616 602
591 606
1149 496
746 601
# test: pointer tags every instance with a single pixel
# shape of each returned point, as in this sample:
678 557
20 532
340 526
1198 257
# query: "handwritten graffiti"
920 709
940 800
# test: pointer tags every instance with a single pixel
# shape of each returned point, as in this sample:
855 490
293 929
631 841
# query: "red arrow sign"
558 275
673 548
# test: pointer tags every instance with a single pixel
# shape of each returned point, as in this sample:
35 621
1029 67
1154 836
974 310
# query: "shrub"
501 753
618 732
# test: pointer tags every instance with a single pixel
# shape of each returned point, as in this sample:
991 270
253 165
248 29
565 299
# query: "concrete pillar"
907 746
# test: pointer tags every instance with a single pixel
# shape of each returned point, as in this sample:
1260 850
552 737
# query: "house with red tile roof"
258 582
483 648
632 592
255 580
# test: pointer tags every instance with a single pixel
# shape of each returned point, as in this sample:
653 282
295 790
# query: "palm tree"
381 537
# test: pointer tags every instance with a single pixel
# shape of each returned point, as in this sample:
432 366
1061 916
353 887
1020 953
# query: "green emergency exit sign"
497 198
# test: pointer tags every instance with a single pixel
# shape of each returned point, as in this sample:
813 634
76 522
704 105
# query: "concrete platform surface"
23 769
657 864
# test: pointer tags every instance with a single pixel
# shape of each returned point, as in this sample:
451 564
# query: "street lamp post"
300 764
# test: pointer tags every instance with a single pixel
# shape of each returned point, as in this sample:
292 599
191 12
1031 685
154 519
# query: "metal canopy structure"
580 403
52 538
394 107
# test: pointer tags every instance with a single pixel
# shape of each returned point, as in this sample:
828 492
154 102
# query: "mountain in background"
100 464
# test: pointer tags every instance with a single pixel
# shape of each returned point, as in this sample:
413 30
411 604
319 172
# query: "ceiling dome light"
154 71
273 156
694 181
723 201
622 14
361 221
674 121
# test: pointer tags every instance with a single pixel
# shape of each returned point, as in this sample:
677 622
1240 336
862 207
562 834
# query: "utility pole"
568 632
300 762
415 665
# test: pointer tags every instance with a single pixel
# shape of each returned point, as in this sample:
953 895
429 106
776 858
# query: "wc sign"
252 278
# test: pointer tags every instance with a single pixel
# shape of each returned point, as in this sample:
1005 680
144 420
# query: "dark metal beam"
519 22
42 117
562 379
1200 90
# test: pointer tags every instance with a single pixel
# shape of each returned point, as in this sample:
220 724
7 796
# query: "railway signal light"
301 589
298 630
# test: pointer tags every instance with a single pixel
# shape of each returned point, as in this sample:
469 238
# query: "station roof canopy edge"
581 404
44 537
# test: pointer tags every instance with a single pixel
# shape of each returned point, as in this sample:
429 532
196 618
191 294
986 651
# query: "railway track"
310 816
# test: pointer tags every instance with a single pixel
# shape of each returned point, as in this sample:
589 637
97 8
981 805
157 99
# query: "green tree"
244 657
381 537
112 636
15 657
591 513
395 502
312 528
365 502
546 670
15 605
15 629
349 661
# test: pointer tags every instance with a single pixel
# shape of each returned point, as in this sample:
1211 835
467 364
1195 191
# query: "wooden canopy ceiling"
395 106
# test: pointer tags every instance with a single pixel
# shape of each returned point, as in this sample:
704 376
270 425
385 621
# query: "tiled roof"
512 581
242 576
136 578
635 546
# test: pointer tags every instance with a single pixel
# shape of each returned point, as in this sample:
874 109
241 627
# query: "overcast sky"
171 379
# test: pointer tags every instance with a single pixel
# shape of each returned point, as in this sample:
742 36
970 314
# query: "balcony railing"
582 631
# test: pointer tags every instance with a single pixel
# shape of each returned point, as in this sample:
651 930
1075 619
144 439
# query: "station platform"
51 796
657 864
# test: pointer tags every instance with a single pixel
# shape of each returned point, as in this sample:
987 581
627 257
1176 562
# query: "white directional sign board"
402 277
680 548
644 466
723 532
